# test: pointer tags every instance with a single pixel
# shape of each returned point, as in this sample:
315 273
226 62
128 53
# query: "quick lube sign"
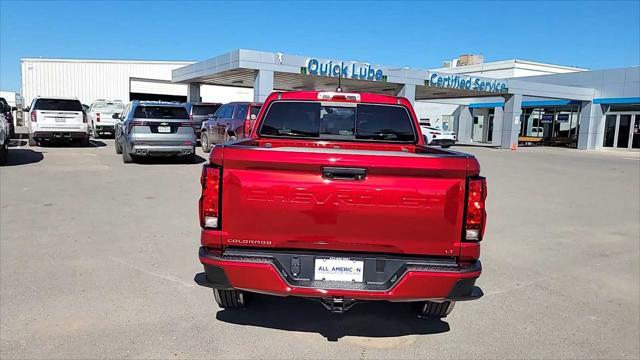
350 70
450 81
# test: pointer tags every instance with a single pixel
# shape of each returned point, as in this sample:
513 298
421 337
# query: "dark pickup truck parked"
336 197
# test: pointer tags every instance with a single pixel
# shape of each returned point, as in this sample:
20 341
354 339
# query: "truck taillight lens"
84 117
209 203
97 117
476 216
247 127
136 123
34 116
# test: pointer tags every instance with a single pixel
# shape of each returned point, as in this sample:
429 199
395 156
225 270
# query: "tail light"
247 127
188 123
136 123
476 216
34 116
97 117
209 204
84 117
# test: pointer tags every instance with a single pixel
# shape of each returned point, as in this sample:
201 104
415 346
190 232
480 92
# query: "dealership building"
503 103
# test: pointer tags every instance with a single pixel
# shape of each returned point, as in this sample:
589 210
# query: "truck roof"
363 97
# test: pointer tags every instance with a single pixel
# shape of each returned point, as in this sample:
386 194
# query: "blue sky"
417 34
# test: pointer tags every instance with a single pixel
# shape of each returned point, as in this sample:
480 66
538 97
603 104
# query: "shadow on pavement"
167 160
67 144
17 157
379 319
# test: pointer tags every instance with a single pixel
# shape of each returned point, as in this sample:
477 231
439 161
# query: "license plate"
339 269
61 119
164 129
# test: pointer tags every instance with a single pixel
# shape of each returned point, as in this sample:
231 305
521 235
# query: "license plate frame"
164 129
61 120
338 269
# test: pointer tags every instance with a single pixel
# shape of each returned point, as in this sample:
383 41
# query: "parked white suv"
101 116
4 139
54 118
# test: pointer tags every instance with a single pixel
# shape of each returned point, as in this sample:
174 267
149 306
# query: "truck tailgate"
406 203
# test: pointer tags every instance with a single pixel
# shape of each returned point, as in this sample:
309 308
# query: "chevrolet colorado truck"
329 199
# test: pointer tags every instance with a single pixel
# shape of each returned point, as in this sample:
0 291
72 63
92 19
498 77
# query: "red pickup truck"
336 197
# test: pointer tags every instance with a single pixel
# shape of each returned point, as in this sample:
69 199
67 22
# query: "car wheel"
204 142
229 299
32 141
434 310
4 151
126 157
118 147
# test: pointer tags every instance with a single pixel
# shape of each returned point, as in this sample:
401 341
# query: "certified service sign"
464 82
350 70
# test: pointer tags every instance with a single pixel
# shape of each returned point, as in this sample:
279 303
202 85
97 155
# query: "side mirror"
27 109
115 116
13 108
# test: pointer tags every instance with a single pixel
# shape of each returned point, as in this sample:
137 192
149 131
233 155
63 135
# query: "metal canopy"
291 72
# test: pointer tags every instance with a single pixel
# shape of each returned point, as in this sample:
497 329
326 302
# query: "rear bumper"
162 150
60 134
385 277
108 128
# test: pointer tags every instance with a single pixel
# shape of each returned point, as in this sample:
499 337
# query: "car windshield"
108 106
339 122
58 104
161 112
205 109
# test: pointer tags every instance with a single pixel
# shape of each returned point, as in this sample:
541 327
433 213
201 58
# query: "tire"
204 142
4 152
126 157
229 299
118 147
434 310
32 141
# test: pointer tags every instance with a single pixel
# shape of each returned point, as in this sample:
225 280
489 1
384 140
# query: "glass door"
477 130
622 130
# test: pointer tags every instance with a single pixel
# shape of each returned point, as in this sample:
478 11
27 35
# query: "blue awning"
543 103
486 105
629 100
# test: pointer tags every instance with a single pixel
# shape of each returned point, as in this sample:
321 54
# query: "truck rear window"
338 122
57 104
161 112
205 109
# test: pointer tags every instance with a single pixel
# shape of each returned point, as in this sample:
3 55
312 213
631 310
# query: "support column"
408 91
263 86
511 121
591 133
465 123
193 92
496 134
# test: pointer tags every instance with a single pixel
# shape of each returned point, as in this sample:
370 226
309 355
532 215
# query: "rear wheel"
32 141
4 150
126 157
229 299
118 147
204 142
430 309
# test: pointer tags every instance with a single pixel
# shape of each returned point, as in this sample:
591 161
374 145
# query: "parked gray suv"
152 128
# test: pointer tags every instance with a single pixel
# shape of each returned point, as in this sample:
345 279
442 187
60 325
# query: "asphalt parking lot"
97 260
